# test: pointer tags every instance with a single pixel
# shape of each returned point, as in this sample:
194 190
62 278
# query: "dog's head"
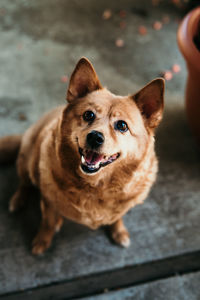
104 129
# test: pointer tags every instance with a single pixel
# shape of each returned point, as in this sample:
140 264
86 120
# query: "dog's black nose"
95 139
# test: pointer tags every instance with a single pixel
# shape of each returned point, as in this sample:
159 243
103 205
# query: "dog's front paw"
122 238
39 245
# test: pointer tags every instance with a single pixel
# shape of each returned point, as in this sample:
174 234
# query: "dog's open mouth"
92 161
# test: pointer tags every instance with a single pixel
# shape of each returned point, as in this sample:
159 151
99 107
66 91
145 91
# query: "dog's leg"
120 234
19 197
51 223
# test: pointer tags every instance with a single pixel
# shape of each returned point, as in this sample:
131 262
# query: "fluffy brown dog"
92 159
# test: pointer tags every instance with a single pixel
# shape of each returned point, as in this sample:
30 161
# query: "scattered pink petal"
142 30
2 12
22 117
176 2
176 68
46 51
167 75
107 14
178 20
166 19
64 78
122 24
119 43
155 2
122 13
20 46
157 25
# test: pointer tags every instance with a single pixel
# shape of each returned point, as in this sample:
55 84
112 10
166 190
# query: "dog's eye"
121 126
88 116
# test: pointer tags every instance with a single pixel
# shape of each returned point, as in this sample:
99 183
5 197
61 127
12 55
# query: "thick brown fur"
49 157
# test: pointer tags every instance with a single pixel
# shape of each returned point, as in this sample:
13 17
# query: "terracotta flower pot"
188 37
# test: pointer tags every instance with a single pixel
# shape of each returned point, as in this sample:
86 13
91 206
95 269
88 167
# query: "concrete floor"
41 42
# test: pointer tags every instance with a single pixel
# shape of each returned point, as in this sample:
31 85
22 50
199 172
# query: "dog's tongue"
93 157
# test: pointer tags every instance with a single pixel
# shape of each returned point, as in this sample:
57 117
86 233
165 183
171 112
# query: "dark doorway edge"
114 279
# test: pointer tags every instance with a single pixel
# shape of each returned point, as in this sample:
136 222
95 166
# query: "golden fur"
49 157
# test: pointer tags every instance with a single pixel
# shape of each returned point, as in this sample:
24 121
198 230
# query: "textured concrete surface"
176 288
40 42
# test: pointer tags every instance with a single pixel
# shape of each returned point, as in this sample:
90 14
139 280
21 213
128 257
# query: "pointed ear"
150 101
83 80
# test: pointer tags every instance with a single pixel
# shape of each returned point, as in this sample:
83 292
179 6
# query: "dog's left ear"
84 80
150 101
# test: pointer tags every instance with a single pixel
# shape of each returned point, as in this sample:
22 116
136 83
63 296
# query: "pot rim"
185 38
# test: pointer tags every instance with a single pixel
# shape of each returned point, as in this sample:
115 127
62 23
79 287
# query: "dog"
92 159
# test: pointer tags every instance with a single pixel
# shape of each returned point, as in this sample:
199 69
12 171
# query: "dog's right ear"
83 80
150 101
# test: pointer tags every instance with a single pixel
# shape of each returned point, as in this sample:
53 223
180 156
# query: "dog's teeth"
82 159
97 164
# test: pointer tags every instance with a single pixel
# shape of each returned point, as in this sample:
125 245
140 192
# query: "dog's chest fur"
97 205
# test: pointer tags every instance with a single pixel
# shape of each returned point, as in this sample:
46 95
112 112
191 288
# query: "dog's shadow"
25 222
175 143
